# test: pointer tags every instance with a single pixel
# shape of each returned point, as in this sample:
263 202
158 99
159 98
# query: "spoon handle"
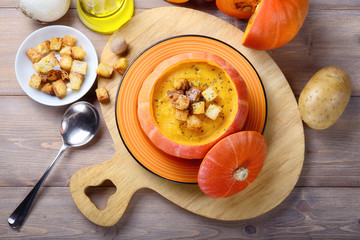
17 218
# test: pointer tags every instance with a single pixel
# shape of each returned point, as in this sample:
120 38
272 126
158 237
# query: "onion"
44 10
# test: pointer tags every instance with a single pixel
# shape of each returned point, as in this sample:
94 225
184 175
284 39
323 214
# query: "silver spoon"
78 126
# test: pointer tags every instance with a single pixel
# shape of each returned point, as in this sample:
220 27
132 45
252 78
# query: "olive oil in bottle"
105 16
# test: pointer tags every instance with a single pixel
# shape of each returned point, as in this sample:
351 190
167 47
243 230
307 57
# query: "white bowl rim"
46 99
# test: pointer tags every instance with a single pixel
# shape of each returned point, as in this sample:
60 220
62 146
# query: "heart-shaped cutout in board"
99 195
284 131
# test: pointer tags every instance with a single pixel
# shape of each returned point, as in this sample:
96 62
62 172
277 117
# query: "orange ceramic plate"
141 148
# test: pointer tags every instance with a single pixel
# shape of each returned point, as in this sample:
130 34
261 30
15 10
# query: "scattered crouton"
181 115
34 55
198 107
59 88
69 41
104 70
44 47
53 75
76 79
35 81
102 95
48 89
193 123
46 63
50 76
181 103
209 94
78 53
213 111
121 65
65 50
55 44
174 94
79 67
193 94
181 83
66 62
65 76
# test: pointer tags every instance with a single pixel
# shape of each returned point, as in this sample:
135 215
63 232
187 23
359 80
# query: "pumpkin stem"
241 174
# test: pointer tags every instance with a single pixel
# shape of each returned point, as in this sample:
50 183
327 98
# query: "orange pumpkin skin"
177 1
183 1
237 8
274 23
153 132
245 149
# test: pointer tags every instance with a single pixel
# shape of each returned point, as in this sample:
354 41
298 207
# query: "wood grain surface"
283 131
323 205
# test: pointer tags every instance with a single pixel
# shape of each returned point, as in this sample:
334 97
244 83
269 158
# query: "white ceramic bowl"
24 69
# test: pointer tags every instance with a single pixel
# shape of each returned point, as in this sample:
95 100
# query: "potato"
324 98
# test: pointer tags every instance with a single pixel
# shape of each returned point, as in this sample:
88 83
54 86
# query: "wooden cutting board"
283 133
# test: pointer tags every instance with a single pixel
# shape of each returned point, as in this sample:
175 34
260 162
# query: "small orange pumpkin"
182 145
232 164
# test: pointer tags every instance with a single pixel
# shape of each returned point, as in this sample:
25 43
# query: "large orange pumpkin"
168 134
232 164
272 23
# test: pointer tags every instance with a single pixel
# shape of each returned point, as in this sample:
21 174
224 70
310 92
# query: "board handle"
95 176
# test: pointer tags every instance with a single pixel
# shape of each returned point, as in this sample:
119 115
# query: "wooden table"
324 204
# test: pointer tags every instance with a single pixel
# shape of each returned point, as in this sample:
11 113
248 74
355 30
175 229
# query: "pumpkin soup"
190 102
203 76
